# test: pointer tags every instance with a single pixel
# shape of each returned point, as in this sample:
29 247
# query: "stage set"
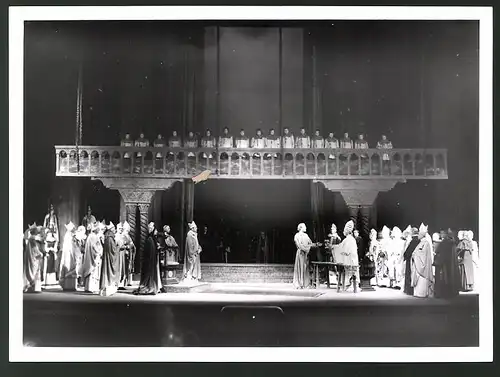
185 78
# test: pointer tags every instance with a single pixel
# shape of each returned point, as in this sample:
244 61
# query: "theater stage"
250 315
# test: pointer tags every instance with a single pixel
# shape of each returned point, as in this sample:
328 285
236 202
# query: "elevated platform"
246 273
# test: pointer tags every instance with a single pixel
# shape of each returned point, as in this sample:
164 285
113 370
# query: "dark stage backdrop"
415 81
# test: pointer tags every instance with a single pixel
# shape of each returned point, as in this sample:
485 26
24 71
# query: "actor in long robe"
130 250
150 283
49 276
396 252
33 256
409 249
301 276
422 279
67 268
447 274
120 244
346 255
79 250
92 259
333 240
110 270
466 264
192 265
475 257
382 259
262 254
51 222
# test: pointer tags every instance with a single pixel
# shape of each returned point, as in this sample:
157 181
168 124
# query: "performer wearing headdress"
67 267
346 255
475 256
301 277
446 264
51 222
465 262
192 265
110 272
422 279
91 268
373 252
150 283
33 255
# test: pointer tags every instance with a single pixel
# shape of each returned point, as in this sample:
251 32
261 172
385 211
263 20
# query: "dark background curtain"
415 81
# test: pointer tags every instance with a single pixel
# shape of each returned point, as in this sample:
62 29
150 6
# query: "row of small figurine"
287 140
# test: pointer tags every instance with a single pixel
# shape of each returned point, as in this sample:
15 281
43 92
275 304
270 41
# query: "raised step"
246 273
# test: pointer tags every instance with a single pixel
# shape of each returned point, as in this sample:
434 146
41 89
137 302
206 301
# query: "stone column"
365 221
134 198
353 214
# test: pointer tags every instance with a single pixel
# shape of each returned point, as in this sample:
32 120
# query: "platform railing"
250 163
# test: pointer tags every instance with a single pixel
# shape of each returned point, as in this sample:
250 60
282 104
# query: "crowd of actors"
422 266
259 140
100 258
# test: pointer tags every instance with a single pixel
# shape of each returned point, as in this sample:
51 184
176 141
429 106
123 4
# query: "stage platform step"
246 273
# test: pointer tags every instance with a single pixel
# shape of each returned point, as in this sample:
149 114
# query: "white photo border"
17 17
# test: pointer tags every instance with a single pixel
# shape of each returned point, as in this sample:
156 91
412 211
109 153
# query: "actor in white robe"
346 255
67 268
192 263
382 258
422 279
475 257
301 277
91 270
396 258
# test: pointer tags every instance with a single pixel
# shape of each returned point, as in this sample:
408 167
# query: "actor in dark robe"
207 244
465 264
262 254
88 220
110 271
447 273
408 289
192 265
150 273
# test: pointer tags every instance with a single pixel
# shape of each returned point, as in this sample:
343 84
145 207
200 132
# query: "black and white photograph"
287 183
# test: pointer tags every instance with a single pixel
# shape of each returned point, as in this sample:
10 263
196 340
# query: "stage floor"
249 315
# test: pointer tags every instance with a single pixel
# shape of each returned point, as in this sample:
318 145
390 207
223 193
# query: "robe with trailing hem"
150 283
92 259
301 276
410 247
33 256
192 264
68 264
110 270
466 264
447 276
422 279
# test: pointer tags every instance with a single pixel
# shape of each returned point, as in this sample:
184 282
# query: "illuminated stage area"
250 315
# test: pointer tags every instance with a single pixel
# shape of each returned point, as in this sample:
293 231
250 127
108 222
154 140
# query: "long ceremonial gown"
33 255
110 271
68 266
421 270
447 272
466 265
150 274
408 288
192 264
395 261
381 264
346 254
91 268
301 277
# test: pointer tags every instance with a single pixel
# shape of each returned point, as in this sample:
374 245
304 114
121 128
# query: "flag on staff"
203 176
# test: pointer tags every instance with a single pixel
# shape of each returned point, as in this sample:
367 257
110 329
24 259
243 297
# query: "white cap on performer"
422 229
349 226
70 226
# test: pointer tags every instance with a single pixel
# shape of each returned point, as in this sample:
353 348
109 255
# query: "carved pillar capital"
143 208
136 196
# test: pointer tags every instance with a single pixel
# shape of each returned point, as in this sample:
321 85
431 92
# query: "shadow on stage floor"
250 315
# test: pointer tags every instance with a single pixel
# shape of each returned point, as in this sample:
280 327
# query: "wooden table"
337 269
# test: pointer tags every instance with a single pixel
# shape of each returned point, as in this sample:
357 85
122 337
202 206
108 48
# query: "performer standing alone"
301 277
150 274
192 265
